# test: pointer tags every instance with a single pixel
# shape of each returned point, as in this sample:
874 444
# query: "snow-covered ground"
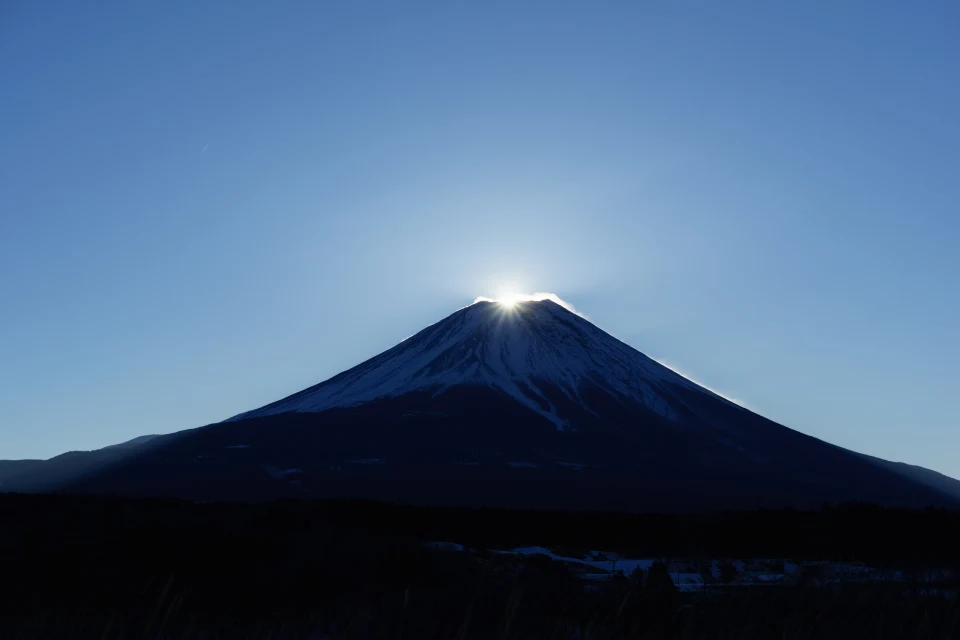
599 566
281 473
608 562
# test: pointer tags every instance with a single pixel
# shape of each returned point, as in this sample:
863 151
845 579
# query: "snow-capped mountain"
525 405
528 351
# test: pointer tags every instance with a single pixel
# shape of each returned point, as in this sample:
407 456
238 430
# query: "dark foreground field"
80 567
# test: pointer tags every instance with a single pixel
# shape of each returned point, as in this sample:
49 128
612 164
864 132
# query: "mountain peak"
536 351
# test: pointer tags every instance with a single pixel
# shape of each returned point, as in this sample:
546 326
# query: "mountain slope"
528 352
530 406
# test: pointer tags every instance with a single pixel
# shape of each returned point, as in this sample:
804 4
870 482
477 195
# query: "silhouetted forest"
111 568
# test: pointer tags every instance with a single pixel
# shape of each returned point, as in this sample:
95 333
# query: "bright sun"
511 299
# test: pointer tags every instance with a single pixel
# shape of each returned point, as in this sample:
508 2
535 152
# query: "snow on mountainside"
516 349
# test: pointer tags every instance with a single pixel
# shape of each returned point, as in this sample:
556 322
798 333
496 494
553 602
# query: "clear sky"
206 206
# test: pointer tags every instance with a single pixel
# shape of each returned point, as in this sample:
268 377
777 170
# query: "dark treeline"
110 567
850 532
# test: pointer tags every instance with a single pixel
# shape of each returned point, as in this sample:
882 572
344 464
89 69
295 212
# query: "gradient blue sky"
206 206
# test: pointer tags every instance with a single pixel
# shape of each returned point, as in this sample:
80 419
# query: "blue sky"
206 206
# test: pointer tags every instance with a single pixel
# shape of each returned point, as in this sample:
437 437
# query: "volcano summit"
538 354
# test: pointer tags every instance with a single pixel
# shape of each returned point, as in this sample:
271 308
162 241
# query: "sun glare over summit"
510 299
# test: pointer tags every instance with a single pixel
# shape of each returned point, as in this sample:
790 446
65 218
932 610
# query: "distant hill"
61 470
928 477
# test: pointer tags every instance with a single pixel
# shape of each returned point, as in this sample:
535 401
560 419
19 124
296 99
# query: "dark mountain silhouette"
933 479
57 472
523 406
